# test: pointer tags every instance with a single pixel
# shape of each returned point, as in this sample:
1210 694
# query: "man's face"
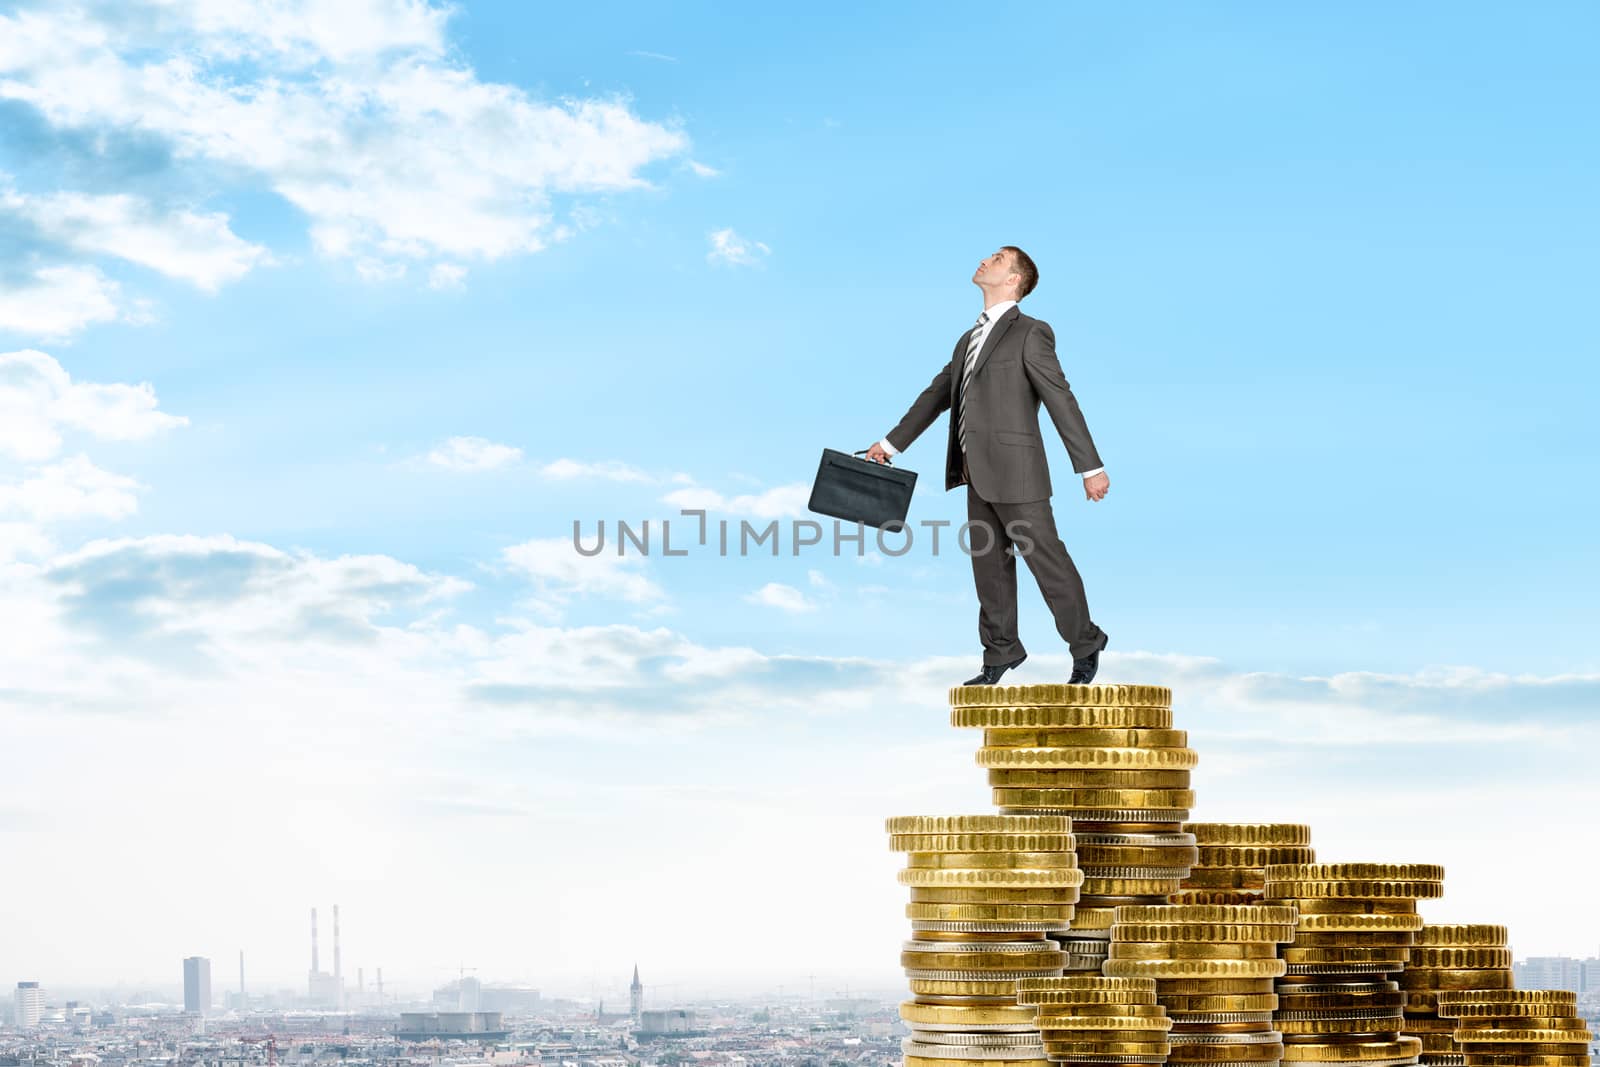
995 271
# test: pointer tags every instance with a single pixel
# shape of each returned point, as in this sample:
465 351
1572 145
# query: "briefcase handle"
888 461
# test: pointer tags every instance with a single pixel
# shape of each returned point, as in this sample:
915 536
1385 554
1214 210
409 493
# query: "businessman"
1002 369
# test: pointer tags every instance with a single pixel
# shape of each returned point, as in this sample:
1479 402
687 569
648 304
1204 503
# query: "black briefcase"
860 490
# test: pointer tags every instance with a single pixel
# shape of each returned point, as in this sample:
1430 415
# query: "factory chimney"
315 965
338 972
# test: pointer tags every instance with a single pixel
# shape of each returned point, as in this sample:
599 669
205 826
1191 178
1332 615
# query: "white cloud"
605 470
39 399
357 114
56 302
473 454
71 489
19 539
735 251
780 596
784 501
447 276
703 170
560 573
197 248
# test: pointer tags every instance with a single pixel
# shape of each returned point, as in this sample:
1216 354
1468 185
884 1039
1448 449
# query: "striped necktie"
973 344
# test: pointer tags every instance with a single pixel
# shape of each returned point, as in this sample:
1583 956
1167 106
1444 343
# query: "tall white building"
197 985
29 1005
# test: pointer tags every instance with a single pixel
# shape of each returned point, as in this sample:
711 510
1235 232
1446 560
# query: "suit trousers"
995 574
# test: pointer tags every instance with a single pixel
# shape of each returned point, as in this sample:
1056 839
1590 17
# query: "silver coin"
971 1052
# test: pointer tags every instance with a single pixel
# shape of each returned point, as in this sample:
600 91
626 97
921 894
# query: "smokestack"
241 979
361 979
338 973
380 987
315 966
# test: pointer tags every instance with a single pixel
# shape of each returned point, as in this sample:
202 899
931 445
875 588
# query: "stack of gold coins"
1337 1002
1517 1027
1089 1019
1107 756
1234 857
1453 956
1214 965
986 890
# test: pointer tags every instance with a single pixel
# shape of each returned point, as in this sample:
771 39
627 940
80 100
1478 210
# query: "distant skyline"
320 325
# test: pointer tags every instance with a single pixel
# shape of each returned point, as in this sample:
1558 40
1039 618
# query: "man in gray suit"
1000 372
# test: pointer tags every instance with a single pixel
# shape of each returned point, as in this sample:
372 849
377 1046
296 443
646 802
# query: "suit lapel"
997 331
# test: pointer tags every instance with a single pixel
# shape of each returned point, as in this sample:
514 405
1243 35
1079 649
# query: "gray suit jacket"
1015 371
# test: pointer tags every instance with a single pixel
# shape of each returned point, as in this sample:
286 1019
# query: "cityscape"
201 1022
206 1020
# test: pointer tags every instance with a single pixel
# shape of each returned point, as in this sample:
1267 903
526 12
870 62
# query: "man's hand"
1095 488
877 454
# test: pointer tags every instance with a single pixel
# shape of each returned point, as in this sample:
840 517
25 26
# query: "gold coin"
1088 778
1353 939
1249 833
1462 934
1188 895
1315 923
1229 1055
1207 914
1525 1060
1119 799
1374 906
1194 968
1497 997
1067 1017
992 860
1012 878
933 987
989 912
1071 1050
978 824
1190 950
940 1061
1257 857
1401 1048
1356 872
949 1015
1063 694
1038 937
1086 737
1226 878
974 962
1167 987
1047 895
1352 889
1167 857
1136 887
1345 954
1196 931
982 842
1180 1004
1012 717
1172 759
1091 982
1463 958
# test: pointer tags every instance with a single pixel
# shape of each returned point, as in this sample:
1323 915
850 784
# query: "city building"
659 1022
447 1025
197 985
636 995
29 1005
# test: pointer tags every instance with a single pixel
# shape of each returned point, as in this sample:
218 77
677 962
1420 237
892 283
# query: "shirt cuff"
1091 474
887 447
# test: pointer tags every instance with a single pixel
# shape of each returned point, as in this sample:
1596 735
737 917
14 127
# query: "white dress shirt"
994 314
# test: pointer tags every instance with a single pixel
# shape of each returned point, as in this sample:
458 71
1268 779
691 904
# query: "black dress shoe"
1084 670
990 675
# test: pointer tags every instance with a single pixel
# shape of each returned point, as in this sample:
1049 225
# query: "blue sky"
310 382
